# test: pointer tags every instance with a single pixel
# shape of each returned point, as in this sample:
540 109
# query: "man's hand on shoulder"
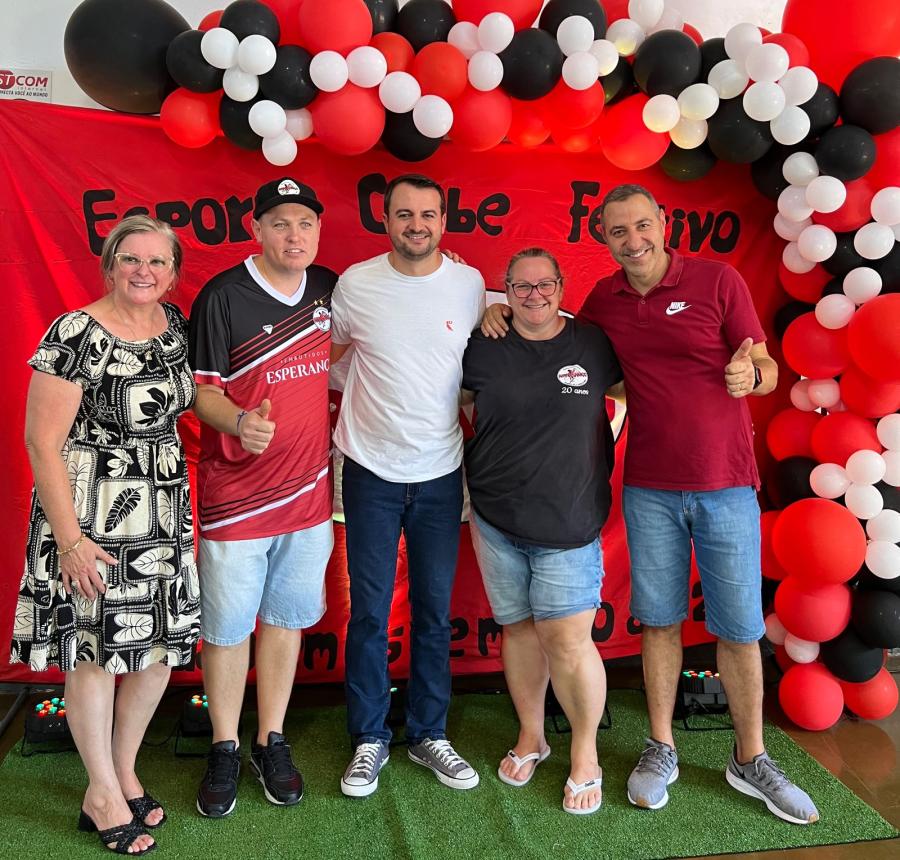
494 322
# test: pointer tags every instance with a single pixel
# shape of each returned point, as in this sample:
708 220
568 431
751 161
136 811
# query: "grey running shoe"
656 769
763 779
361 777
450 768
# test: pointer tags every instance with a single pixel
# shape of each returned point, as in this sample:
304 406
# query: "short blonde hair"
529 253
138 224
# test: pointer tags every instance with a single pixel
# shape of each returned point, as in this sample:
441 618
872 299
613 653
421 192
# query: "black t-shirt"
538 466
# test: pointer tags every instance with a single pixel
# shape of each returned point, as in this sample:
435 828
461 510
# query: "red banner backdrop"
67 175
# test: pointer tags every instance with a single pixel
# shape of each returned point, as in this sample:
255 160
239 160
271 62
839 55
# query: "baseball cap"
285 190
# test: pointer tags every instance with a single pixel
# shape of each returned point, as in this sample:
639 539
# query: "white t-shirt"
400 411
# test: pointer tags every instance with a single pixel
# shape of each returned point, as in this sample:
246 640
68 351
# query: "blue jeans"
429 515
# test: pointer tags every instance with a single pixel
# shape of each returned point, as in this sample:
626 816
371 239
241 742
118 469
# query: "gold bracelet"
72 548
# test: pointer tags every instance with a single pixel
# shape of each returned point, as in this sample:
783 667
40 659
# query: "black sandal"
143 806
123 835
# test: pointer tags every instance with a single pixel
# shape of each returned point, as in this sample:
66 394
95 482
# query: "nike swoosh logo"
672 311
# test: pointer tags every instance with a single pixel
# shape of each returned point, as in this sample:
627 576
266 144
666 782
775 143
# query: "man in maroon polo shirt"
691 348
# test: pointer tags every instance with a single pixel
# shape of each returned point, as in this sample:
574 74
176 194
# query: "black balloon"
767 173
786 314
844 257
187 66
889 495
876 617
251 18
384 14
234 119
822 109
532 64
889 269
117 52
667 62
846 152
686 165
712 52
289 83
849 658
556 11
403 140
789 480
422 22
870 95
619 83
834 287
734 136
867 581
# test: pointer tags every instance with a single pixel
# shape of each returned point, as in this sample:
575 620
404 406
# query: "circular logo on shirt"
288 187
573 374
322 318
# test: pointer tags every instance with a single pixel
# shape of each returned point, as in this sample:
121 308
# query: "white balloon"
826 193
800 168
790 126
728 79
575 34
767 62
840 406
886 206
328 71
763 101
432 116
794 261
835 310
399 92
299 123
256 54
239 85
698 101
863 501
267 118
792 203
874 241
883 559
829 481
366 66
740 40
885 526
888 431
824 393
866 467
799 84
896 229
463 36
606 55
496 31
661 113
862 284
789 230
646 12
280 150
219 47
626 35
689 133
800 396
892 461
580 70
485 71
671 19
799 650
817 243
775 630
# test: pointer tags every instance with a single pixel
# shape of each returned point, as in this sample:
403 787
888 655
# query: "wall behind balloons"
32 34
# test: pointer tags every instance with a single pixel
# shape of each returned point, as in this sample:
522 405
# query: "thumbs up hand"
739 372
255 430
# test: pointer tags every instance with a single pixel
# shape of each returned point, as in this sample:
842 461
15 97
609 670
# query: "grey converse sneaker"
763 779
656 769
450 768
361 777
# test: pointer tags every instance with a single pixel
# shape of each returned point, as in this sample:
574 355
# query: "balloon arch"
815 112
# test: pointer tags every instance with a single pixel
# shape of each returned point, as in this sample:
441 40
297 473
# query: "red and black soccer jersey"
256 344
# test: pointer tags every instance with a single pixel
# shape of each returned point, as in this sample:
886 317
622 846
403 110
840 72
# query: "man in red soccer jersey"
259 345
691 349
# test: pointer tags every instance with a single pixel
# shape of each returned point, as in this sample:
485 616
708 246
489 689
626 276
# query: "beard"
409 252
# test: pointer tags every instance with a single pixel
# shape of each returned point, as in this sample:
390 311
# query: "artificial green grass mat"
413 816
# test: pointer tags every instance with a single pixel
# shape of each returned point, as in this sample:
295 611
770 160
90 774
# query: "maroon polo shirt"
685 431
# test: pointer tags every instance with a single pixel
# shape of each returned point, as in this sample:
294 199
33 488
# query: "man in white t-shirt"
408 313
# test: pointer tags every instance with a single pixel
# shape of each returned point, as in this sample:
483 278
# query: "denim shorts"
280 580
724 528
525 581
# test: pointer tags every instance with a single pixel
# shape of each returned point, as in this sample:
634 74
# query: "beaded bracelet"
72 548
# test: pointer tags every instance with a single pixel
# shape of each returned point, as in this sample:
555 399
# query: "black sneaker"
218 791
274 768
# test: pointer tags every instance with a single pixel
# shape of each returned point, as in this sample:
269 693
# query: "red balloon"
869 397
874 699
771 569
626 141
349 121
874 337
789 433
565 108
811 611
839 434
798 55
781 658
210 20
839 37
886 169
287 12
576 139
527 128
191 119
811 696
855 210
813 350
819 539
803 286
338 25
397 50
615 9
480 120
694 33
523 12
441 70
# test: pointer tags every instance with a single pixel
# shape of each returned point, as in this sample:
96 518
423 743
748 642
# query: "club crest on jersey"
268 328
322 318
288 187
573 374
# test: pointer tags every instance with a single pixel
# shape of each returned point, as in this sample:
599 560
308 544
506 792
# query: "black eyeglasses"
523 289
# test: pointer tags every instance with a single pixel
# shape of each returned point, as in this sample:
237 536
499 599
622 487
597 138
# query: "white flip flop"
518 761
578 788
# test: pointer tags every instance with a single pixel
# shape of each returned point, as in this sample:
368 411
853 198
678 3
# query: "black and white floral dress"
130 489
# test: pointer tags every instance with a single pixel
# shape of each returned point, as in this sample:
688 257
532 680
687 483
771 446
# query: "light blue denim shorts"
526 581
280 580
723 526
